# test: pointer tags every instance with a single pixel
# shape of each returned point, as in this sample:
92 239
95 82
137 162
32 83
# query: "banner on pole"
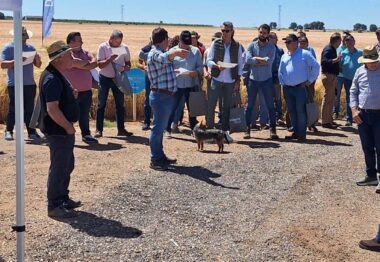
47 17
11 5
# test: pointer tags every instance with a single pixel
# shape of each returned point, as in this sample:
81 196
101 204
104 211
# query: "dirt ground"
299 204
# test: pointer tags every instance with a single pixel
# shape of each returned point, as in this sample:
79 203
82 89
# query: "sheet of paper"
182 71
226 65
118 50
29 57
95 74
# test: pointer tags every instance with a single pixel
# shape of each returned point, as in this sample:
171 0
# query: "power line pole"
279 17
122 13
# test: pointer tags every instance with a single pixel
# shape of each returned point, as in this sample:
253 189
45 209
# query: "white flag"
11 5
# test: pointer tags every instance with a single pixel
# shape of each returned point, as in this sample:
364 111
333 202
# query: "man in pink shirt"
81 79
109 52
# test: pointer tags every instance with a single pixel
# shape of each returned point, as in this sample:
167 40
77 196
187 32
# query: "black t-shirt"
54 87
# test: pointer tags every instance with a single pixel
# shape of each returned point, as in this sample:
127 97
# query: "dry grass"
136 36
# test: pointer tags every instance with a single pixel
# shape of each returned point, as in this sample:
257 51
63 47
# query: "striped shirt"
160 70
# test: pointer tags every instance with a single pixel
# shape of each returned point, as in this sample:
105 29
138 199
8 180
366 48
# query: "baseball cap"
185 37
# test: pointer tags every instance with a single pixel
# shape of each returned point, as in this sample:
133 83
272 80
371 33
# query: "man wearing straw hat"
7 57
365 107
59 110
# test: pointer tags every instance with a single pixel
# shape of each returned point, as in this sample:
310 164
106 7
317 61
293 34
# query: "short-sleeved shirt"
80 79
105 52
8 54
54 87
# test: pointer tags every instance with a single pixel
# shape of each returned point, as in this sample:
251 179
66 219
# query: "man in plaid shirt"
162 76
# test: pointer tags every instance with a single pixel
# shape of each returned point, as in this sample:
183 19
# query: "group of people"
173 73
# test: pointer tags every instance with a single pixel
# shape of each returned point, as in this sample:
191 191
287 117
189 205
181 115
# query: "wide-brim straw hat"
24 32
57 49
370 55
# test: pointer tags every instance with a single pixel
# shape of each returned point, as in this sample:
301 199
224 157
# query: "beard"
263 39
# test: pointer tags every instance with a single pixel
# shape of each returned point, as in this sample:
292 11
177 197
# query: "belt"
299 85
370 110
163 91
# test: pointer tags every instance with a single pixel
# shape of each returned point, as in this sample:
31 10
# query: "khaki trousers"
329 82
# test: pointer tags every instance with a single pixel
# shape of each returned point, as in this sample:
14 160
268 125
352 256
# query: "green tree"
372 28
273 25
293 25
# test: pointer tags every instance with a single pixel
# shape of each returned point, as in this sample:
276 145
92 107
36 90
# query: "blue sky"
336 14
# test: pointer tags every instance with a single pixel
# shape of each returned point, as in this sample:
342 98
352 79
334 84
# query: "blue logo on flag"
137 80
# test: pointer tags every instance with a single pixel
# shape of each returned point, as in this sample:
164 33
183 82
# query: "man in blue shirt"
365 97
186 82
349 64
163 88
277 87
297 70
365 106
260 55
7 57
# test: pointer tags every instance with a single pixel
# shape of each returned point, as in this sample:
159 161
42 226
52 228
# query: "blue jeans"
84 104
263 111
347 86
61 165
267 89
162 105
106 84
296 98
277 100
182 96
147 108
29 95
369 132
338 90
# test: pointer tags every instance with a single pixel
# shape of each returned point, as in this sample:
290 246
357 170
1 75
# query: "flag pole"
19 102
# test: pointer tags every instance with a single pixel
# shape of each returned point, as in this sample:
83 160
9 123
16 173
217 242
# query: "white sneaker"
167 134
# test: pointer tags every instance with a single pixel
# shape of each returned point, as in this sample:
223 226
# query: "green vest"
219 56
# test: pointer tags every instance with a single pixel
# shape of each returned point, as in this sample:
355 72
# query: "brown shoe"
372 245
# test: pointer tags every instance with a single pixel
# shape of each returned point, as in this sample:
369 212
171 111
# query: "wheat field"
136 36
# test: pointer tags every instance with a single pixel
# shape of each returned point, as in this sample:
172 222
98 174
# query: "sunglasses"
225 31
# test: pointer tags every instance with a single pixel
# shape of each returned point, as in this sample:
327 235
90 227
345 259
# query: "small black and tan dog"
201 134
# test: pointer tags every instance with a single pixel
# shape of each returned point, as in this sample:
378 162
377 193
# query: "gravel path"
261 201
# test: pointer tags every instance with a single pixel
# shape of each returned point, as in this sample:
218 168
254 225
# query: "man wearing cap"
330 70
108 54
298 69
188 82
142 64
365 106
59 111
195 42
260 55
162 96
224 80
81 79
349 65
29 87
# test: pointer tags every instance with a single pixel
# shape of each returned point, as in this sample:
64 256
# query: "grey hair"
116 34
